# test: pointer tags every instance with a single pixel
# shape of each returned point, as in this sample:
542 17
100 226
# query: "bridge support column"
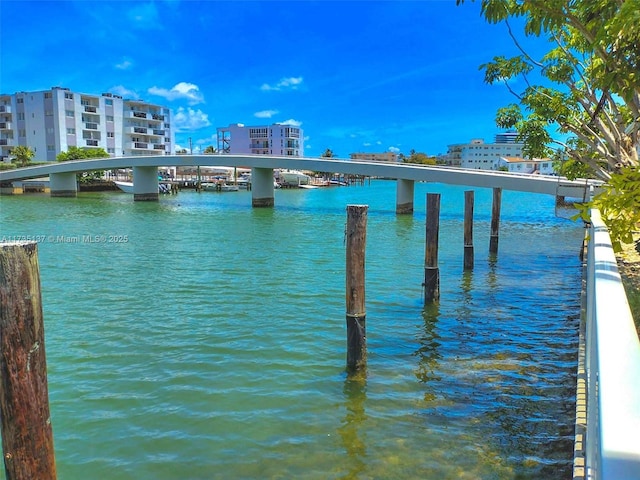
63 185
404 196
145 184
261 187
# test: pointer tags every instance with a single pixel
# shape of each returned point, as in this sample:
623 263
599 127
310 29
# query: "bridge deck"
449 175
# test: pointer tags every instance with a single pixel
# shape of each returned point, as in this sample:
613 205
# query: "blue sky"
362 76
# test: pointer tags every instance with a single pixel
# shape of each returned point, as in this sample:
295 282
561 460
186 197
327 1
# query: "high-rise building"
51 121
277 139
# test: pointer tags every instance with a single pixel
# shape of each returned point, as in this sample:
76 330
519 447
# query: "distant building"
483 156
277 139
543 166
51 121
375 157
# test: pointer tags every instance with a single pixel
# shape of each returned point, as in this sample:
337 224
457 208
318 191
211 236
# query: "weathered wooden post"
495 220
27 435
431 270
356 236
468 230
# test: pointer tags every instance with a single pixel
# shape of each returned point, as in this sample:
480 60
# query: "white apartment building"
51 121
375 157
484 156
543 166
277 139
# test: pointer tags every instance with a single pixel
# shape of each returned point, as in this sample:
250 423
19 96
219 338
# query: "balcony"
6 126
90 109
259 145
142 145
92 143
139 114
158 146
5 108
160 133
158 117
91 126
140 130
6 141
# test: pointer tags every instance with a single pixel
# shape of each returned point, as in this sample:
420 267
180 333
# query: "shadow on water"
352 425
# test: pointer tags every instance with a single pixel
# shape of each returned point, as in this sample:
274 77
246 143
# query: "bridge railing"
612 364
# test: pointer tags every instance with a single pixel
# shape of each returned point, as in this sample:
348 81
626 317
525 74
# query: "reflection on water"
352 431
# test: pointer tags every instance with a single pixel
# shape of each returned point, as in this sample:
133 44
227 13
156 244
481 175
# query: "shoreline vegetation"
629 268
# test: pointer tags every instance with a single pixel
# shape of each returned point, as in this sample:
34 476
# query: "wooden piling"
468 230
495 221
356 235
431 270
27 435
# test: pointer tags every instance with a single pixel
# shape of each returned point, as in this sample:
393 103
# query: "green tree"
210 150
328 153
418 157
76 153
22 155
588 87
590 80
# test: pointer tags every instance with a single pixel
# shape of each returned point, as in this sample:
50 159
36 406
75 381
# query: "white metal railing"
612 366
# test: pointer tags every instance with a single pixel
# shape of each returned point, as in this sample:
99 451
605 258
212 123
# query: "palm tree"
22 155
210 150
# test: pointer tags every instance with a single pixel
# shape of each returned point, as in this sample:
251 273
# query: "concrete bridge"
145 175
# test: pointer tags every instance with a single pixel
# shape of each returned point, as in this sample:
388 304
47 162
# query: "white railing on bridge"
612 366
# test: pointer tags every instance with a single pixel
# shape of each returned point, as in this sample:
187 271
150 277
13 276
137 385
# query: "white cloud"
186 119
125 64
124 92
291 83
366 144
182 90
394 149
291 121
265 113
144 16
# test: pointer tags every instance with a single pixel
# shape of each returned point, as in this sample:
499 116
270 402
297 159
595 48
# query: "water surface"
207 339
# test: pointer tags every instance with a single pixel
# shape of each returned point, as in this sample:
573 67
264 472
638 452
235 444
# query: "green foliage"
619 205
328 153
587 86
210 150
76 153
21 155
418 157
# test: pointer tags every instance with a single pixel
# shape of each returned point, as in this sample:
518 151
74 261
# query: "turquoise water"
206 340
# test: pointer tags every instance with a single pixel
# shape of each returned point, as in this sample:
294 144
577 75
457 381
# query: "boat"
219 187
127 187
293 177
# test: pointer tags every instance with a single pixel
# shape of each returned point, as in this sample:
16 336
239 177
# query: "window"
71 131
109 118
108 101
51 148
20 115
20 100
111 150
47 95
68 96
69 113
50 130
110 135
22 133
